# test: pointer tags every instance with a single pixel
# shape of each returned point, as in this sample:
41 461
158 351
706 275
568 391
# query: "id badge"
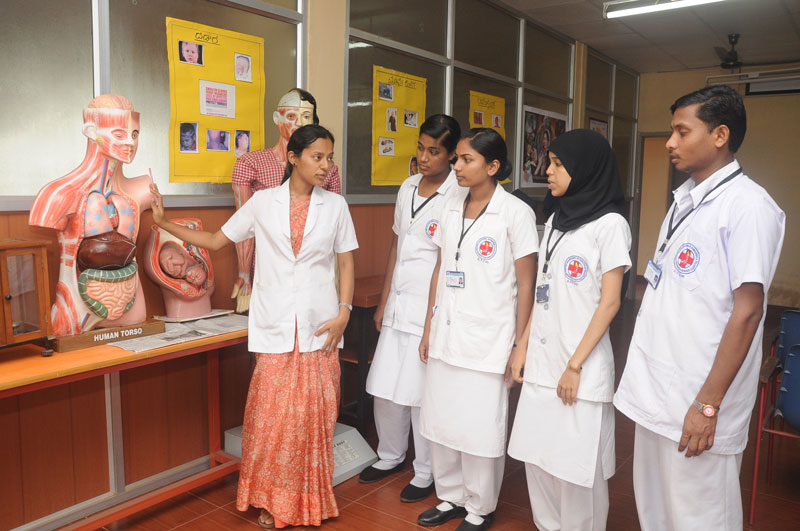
652 274
543 293
454 279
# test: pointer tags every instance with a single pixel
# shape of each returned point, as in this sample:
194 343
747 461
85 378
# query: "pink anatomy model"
96 211
181 270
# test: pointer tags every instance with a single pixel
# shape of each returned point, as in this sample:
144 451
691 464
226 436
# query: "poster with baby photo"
188 137
190 53
241 67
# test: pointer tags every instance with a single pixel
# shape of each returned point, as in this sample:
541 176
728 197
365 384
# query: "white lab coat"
734 236
289 290
396 372
474 327
416 254
566 441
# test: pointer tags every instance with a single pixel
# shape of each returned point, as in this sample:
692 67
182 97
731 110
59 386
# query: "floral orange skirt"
287 437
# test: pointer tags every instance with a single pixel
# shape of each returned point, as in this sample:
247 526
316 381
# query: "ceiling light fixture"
624 8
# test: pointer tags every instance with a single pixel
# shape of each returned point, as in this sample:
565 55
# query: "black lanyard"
671 229
548 251
428 200
463 218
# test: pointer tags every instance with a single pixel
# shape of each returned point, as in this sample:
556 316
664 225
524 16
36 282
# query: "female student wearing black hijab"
564 425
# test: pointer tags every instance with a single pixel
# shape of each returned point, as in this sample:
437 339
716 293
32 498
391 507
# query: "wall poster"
541 128
599 126
486 110
216 85
398 109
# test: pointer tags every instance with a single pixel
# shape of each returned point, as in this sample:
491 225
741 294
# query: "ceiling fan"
730 58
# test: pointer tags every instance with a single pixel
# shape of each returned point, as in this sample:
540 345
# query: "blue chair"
780 375
789 334
788 403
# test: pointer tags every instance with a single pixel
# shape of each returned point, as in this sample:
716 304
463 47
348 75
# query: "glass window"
622 144
46 83
420 23
140 72
624 93
463 82
547 61
288 4
598 83
548 104
486 37
24 298
359 107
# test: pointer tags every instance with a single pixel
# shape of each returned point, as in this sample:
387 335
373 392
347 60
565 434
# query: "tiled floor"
377 507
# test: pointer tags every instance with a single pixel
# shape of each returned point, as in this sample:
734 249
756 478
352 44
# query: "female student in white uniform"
564 426
482 292
397 375
295 327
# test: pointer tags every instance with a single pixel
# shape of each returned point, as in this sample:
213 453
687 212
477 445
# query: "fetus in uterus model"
95 210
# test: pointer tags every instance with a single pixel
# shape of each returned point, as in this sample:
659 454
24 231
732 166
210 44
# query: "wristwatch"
706 409
346 305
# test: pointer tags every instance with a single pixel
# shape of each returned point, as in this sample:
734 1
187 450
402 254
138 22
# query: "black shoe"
413 494
488 520
372 474
434 516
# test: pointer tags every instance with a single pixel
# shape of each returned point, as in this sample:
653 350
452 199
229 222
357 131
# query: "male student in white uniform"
692 371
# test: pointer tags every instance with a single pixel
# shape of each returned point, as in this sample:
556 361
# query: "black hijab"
595 189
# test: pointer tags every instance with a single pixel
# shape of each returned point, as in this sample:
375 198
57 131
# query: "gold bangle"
573 369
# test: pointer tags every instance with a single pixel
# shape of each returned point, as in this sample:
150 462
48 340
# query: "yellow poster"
216 88
398 109
486 110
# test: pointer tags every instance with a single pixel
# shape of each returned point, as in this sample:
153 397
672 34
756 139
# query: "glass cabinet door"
22 294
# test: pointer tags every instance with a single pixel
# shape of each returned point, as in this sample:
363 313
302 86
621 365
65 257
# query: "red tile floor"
377 507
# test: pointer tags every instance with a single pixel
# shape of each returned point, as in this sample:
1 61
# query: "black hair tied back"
443 128
491 146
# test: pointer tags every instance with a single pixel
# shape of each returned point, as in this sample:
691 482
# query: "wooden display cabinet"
24 287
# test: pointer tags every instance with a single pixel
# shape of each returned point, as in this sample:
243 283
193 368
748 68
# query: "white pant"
467 480
674 492
559 505
392 422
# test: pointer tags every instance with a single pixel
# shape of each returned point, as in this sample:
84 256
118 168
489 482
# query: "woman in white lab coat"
295 328
397 376
480 298
564 425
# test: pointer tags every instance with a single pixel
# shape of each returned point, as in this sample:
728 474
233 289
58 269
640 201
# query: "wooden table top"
367 291
24 365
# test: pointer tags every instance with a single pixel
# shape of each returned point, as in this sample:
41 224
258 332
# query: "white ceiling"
680 39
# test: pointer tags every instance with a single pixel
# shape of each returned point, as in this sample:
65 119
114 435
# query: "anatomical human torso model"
96 211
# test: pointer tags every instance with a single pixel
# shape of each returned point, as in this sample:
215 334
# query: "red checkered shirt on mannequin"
261 169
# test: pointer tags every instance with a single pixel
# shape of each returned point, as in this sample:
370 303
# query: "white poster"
217 99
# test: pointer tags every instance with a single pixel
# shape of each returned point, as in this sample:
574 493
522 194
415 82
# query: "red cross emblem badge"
687 259
486 248
430 228
575 268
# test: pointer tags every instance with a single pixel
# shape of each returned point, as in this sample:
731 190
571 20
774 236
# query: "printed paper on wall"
216 91
398 109
486 110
